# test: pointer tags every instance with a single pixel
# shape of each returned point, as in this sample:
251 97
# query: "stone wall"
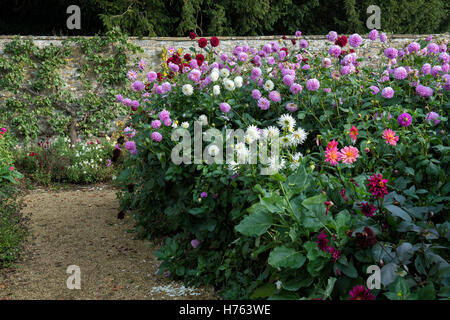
152 46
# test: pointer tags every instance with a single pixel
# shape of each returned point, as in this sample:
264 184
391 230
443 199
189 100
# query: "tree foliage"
226 18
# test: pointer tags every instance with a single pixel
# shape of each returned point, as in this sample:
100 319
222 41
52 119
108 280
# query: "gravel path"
80 227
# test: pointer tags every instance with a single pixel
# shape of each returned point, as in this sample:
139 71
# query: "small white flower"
248 139
275 164
174 125
299 136
296 161
229 85
213 150
224 72
233 166
203 119
286 121
214 76
285 141
268 86
271 132
216 90
243 155
185 125
252 131
238 81
239 146
187 89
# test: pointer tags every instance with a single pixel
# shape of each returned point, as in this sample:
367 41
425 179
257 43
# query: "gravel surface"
80 227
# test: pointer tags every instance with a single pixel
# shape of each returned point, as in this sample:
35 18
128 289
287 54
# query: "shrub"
12 230
359 179
56 160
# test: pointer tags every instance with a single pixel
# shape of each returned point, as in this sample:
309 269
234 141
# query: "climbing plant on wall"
36 95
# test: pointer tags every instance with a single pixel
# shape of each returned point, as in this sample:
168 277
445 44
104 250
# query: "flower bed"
352 173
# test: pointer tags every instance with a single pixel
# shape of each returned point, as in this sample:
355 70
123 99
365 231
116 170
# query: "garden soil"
80 227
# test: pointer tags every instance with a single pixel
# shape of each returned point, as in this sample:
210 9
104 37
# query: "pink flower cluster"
347 154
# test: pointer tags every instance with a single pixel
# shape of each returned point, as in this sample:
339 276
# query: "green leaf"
347 267
329 288
264 291
426 293
302 281
255 224
389 273
278 177
315 99
197 211
314 217
398 212
286 257
284 295
404 252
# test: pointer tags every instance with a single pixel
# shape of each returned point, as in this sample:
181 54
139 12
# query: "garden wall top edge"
273 37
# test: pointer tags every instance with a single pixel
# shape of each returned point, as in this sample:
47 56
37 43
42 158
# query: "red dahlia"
192 35
214 41
367 209
341 41
187 57
366 238
200 58
202 42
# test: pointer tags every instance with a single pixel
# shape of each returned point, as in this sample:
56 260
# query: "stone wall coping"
273 37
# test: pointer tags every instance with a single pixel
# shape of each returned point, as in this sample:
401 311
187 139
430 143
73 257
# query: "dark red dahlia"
368 209
294 41
187 57
322 241
284 37
192 35
361 293
341 41
377 186
202 42
200 58
366 238
214 41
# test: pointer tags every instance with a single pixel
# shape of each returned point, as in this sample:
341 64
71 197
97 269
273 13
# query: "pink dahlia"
349 154
390 137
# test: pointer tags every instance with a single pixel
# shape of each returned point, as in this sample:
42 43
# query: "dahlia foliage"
355 172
